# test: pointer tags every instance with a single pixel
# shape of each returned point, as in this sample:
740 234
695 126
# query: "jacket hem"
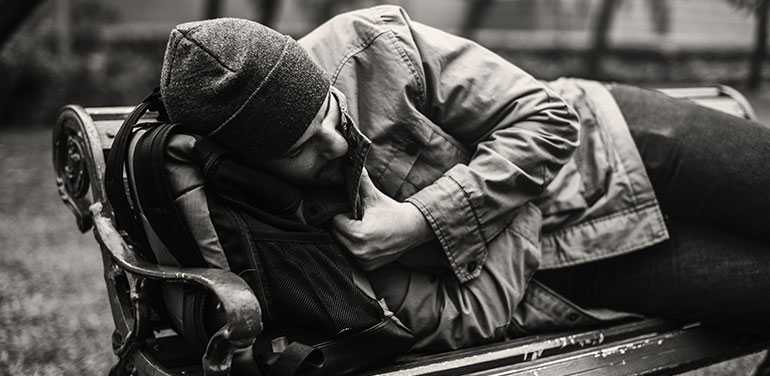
613 235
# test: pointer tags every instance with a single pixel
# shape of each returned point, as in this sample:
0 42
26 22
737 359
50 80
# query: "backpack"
186 200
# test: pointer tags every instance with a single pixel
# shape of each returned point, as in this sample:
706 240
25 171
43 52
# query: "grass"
54 313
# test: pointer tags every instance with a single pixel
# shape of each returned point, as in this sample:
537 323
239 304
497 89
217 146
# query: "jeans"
711 174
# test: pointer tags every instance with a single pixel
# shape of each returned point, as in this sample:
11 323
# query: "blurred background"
109 52
54 315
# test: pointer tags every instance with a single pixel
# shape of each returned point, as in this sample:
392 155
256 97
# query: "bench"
145 344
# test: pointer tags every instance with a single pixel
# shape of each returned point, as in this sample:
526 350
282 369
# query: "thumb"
342 222
367 188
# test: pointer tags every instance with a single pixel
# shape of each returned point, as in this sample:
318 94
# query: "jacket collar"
322 204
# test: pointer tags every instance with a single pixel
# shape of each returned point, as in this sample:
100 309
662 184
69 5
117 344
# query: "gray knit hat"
242 83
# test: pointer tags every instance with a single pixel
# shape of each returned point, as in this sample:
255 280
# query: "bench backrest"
107 120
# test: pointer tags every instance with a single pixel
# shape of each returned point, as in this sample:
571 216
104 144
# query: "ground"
54 315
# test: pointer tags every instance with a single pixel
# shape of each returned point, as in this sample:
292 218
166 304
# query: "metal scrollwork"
76 154
75 172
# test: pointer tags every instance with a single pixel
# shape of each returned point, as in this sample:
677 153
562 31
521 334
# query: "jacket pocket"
584 180
588 175
592 158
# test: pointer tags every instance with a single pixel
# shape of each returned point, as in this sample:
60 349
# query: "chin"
328 181
320 180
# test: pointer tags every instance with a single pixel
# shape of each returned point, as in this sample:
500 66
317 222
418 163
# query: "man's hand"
388 229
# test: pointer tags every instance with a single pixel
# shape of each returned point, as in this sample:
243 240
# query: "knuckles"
365 253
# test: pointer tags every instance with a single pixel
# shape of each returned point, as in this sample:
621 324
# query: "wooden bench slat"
719 97
693 92
107 130
109 125
109 113
522 349
723 104
663 353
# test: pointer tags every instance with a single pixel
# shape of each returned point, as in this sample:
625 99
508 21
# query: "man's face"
317 157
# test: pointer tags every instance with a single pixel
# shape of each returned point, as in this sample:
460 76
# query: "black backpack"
167 189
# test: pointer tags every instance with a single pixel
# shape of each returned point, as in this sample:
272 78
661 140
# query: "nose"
335 145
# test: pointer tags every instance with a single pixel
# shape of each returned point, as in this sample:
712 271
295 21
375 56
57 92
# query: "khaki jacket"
490 157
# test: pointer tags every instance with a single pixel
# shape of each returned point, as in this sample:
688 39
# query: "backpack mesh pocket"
313 291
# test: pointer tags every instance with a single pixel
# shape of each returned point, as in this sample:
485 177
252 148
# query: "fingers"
348 228
343 229
357 256
342 222
341 238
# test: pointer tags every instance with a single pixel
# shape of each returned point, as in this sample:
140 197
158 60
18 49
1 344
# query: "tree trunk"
599 43
660 16
13 14
212 9
63 27
476 13
268 11
325 11
760 46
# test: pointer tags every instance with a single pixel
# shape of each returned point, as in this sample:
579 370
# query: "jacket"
512 174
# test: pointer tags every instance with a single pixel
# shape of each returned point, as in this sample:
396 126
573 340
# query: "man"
474 180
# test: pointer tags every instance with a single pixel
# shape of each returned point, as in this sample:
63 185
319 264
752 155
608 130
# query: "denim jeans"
711 174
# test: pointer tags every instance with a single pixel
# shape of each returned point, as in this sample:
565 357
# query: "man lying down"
491 205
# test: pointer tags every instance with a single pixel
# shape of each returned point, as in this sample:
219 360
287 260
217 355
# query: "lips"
332 172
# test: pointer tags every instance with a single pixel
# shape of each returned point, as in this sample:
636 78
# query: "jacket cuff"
447 208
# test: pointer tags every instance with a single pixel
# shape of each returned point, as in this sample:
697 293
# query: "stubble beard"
332 173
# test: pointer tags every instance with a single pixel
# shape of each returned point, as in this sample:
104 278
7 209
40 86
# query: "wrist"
419 228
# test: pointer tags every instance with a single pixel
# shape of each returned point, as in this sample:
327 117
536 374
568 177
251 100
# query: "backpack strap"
153 192
156 198
113 175
293 357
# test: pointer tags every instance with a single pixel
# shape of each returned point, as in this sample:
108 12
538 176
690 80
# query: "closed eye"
294 153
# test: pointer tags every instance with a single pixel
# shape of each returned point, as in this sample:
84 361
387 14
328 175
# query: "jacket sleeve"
520 134
445 314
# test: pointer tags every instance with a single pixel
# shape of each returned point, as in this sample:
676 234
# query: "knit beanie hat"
243 84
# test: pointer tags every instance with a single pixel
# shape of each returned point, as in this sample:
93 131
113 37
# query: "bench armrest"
239 305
